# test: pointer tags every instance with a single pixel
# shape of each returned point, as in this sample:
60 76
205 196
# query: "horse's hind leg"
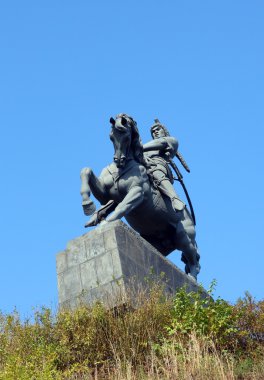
89 182
187 244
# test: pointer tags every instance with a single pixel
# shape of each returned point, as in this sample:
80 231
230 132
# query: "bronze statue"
124 189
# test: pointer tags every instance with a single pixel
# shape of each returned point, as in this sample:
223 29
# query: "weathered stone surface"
102 264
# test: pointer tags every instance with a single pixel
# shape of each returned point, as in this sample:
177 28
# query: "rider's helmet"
158 123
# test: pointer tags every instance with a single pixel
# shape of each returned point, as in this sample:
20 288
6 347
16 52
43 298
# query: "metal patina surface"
138 185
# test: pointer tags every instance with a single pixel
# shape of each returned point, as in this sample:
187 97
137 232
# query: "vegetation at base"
184 337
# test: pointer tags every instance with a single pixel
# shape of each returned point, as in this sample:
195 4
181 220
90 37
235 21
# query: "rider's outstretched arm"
157 144
133 198
161 143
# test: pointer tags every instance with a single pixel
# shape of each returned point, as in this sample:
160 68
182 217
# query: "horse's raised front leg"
187 244
133 198
90 183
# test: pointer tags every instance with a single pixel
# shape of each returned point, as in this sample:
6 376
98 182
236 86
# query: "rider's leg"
166 187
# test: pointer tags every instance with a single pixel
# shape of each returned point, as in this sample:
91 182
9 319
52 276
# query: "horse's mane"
136 143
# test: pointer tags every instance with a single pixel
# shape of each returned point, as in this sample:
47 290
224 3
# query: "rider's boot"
177 204
167 188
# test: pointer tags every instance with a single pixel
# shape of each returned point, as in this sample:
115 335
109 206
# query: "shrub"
194 313
95 335
27 349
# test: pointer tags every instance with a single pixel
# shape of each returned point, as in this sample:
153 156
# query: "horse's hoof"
88 207
89 224
192 277
103 223
93 221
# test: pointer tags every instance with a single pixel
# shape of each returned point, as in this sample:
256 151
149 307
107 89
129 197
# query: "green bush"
27 349
213 319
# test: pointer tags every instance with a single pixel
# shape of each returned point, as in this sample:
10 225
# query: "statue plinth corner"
102 265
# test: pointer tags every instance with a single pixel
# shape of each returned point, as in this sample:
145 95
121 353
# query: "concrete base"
103 263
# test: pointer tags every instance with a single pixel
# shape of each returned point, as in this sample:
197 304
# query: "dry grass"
199 360
159 339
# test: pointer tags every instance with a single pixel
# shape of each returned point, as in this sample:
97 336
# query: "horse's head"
125 137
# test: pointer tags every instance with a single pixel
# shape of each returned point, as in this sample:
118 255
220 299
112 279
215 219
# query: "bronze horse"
124 190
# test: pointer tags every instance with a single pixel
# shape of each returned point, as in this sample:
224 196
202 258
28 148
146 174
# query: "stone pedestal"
105 262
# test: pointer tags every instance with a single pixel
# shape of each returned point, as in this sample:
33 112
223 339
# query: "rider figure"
157 154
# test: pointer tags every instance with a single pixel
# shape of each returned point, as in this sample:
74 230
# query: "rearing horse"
125 190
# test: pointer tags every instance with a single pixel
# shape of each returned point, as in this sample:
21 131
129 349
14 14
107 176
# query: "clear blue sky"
67 66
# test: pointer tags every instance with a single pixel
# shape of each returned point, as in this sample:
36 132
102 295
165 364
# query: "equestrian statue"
138 185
